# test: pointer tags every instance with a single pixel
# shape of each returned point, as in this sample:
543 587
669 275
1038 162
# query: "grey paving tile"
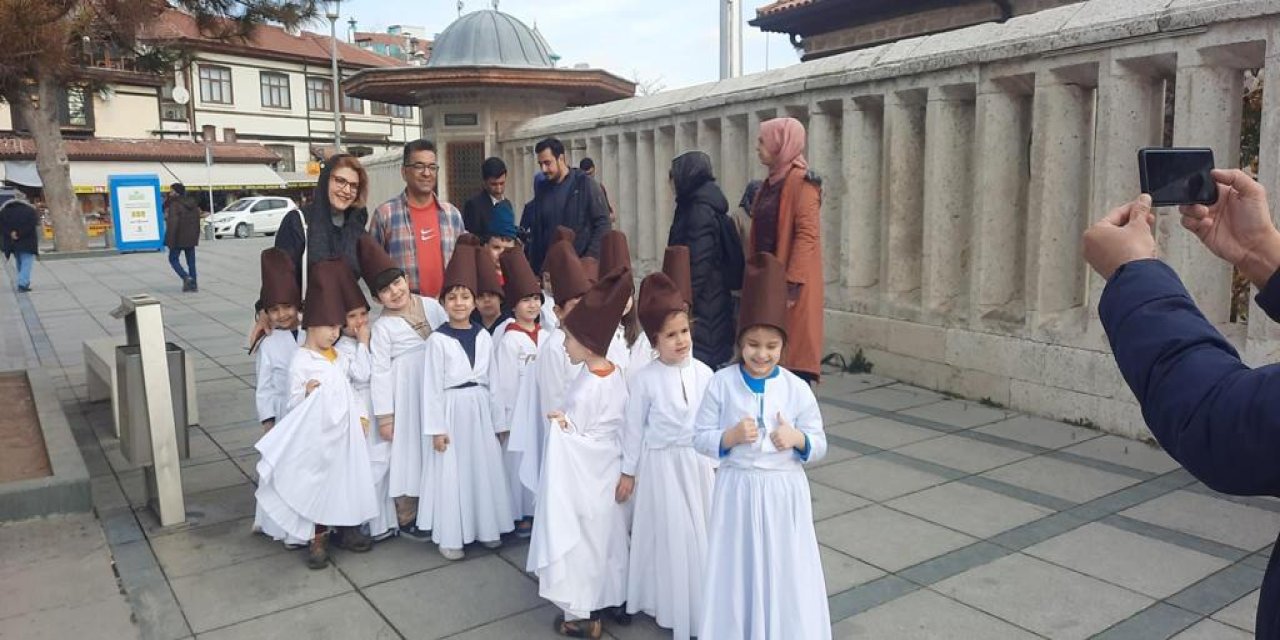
874 478
1151 567
390 559
843 572
977 512
516 552
203 509
1208 629
194 551
98 619
1013 589
213 475
454 598
961 414
642 628
832 414
51 563
1184 540
1241 614
338 618
155 609
893 397
883 433
1062 479
868 596
535 624
1219 590
1125 452
828 502
248 590
953 563
843 384
888 539
1040 432
1219 520
1157 621
965 454
926 615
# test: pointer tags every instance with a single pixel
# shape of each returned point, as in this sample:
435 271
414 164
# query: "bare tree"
46 46
647 86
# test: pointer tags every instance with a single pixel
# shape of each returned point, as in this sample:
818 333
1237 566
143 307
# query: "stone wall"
961 169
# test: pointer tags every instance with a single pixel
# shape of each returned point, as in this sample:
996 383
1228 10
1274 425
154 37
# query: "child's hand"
311 386
362 334
559 418
626 485
440 442
364 426
786 436
267 424
386 429
745 432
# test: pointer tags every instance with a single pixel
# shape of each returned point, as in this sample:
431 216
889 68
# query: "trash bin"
135 426
208 231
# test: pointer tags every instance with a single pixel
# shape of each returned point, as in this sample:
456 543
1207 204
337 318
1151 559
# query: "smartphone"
1173 175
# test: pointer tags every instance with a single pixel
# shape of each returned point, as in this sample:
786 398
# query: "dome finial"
495 5
460 7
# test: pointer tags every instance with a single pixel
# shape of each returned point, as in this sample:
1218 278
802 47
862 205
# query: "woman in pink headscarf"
784 222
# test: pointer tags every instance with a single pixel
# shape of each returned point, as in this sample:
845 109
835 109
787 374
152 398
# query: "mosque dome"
490 38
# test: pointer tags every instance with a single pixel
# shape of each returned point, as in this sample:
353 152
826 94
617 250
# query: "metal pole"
337 83
208 165
730 38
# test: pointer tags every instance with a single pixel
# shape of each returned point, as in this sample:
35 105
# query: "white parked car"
259 214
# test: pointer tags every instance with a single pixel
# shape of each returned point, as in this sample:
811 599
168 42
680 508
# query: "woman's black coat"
699 206
322 239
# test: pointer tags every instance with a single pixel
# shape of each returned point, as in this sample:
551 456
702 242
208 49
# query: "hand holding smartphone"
1176 176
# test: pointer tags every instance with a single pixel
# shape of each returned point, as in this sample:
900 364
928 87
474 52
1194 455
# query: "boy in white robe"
281 300
464 495
672 482
763 573
397 344
579 545
515 351
314 474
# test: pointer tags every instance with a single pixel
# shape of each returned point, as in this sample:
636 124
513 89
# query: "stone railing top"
1084 24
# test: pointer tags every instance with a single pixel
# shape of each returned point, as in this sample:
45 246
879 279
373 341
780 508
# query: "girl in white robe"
764 577
579 545
464 496
274 355
672 483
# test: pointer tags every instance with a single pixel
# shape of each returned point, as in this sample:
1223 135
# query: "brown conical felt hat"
675 263
659 298
591 267
595 319
279 279
469 239
564 233
326 306
374 262
352 295
764 294
487 279
521 282
461 270
614 252
568 281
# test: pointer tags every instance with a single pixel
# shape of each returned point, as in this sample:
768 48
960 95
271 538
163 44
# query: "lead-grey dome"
491 39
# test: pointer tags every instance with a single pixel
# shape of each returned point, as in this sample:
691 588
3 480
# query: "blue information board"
137 216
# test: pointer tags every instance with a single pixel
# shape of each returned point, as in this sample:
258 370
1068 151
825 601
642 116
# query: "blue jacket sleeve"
1212 413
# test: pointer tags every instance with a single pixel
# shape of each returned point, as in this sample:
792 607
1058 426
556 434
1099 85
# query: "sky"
673 43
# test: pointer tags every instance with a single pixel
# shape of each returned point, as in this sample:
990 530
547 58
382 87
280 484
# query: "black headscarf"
324 240
689 171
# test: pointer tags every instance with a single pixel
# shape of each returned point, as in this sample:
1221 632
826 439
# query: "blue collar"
757 384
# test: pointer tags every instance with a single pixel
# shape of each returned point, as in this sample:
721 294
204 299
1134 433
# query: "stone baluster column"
825 159
862 206
609 164
664 194
594 146
646 218
1207 113
628 195
735 158
948 190
905 115
686 137
709 143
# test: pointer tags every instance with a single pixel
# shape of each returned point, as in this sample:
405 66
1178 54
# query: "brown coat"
182 223
800 250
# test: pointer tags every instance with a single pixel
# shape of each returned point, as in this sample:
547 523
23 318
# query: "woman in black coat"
699 206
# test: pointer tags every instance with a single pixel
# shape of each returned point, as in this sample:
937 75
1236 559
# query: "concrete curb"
67 490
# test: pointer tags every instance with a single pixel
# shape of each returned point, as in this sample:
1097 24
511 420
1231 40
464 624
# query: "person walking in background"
182 233
785 223
588 166
19 223
569 198
477 211
700 204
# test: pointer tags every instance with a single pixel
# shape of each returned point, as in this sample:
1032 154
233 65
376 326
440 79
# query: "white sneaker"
491 544
451 554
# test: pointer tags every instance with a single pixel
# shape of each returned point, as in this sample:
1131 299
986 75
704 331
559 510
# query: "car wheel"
242 230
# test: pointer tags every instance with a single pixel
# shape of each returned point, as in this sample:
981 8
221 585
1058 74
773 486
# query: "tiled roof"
267 41
12 148
781 6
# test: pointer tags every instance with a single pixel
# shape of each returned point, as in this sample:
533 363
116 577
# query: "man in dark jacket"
19 223
1215 415
477 212
699 205
567 198
182 233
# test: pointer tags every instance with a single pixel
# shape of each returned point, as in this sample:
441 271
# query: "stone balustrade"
960 171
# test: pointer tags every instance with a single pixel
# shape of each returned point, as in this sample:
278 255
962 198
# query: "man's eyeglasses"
422 167
345 185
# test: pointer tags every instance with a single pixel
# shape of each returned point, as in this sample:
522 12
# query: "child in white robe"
672 482
314 474
515 351
630 348
764 576
579 545
397 343
281 300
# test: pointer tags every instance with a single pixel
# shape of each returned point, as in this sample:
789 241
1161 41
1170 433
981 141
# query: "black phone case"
1144 180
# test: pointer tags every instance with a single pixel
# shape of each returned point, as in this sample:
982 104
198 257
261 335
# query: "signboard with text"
136 212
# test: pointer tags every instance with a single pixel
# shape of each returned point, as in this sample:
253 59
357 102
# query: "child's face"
675 339
458 303
395 296
489 304
761 349
323 337
578 353
562 309
497 245
283 316
356 319
528 309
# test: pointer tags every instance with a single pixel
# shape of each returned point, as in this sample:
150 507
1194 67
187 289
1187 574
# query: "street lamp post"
331 12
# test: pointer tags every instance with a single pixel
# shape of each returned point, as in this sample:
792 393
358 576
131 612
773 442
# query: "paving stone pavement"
937 517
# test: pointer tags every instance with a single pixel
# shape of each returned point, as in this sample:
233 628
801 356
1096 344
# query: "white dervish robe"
379 450
548 318
579 545
274 356
514 358
464 495
315 462
540 394
672 493
396 386
764 577
631 358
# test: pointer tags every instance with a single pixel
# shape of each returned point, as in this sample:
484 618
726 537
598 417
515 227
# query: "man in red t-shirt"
417 229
